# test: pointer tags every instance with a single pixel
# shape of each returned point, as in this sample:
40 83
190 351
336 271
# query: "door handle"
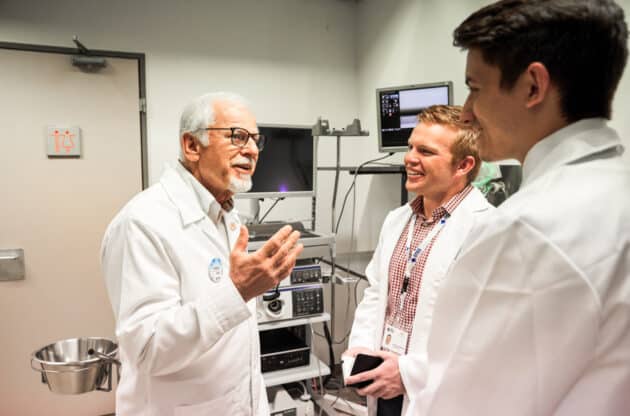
11 264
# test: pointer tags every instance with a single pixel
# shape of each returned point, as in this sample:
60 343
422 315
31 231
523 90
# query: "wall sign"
63 141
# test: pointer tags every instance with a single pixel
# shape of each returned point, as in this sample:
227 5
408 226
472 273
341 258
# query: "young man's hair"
465 143
582 43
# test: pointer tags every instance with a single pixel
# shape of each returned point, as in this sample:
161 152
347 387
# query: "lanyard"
412 258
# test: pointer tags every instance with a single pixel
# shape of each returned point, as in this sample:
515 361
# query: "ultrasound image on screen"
412 102
286 164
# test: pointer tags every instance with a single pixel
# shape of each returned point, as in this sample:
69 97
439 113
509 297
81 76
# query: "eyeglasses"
239 136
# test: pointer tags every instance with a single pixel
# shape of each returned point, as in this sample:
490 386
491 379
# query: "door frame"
139 57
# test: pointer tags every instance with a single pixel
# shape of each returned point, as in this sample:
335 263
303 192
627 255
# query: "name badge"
394 340
215 269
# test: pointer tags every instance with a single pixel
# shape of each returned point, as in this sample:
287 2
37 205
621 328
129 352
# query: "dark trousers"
390 407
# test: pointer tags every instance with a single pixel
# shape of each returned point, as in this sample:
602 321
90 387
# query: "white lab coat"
534 319
369 317
188 346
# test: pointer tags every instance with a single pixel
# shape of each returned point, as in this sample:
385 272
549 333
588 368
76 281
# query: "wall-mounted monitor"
287 166
398 109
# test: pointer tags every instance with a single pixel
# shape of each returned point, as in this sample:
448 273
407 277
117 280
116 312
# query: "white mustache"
242 160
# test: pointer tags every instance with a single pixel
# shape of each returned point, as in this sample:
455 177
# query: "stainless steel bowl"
76 365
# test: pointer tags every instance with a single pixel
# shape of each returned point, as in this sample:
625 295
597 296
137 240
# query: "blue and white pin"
215 269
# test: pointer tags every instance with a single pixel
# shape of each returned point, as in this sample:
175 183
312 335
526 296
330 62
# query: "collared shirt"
208 203
403 319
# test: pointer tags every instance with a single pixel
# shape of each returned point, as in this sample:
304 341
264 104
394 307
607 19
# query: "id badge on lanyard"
395 338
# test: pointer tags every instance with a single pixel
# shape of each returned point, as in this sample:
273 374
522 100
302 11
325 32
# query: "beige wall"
293 59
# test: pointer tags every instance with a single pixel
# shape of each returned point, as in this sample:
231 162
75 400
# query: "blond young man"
417 245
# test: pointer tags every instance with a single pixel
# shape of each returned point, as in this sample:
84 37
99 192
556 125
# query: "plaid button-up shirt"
403 319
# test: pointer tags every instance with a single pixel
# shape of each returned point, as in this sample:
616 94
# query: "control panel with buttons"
308 302
306 273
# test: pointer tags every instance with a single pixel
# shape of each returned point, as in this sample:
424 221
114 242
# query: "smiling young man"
417 244
181 282
534 318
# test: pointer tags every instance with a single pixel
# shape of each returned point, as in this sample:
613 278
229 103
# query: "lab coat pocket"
221 405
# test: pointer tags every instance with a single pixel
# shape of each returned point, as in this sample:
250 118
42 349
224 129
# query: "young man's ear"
465 165
538 82
190 147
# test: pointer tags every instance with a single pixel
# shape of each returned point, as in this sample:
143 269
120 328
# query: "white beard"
240 185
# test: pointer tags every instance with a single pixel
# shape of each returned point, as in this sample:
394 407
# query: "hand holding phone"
364 362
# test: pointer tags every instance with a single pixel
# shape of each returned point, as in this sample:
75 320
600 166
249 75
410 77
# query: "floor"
336 400
342 397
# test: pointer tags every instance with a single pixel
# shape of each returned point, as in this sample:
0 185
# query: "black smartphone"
364 362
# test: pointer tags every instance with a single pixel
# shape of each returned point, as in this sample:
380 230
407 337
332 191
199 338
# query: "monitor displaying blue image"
286 167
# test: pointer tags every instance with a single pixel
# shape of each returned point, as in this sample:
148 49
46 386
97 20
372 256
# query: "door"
57 209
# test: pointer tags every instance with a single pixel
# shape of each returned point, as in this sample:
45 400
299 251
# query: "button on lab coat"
188 345
367 329
534 318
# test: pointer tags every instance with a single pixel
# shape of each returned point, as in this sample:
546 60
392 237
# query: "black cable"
331 353
347 334
343 206
356 173
327 334
270 208
268 297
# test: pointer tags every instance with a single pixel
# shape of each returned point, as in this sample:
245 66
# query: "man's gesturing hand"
255 273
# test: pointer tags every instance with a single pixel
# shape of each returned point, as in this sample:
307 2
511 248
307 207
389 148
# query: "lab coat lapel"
212 233
389 244
447 248
181 196
190 212
233 226
394 234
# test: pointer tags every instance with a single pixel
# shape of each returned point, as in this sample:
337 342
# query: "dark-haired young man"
534 318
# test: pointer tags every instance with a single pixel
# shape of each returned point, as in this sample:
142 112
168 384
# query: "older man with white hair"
181 282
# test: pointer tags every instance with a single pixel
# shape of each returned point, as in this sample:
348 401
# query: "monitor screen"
398 109
286 166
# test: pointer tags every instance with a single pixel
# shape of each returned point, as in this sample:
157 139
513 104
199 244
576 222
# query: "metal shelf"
294 322
376 170
316 368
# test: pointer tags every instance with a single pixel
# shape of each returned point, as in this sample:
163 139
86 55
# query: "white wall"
410 41
293 59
